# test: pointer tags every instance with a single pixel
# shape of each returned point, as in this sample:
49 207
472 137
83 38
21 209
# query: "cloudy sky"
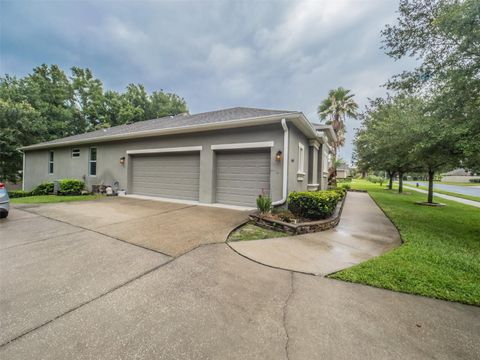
215 54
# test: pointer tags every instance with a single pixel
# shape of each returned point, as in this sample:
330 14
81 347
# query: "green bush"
376 179
71 187
474 180
341 192
43 189
18 194
345 186
264 204
314 205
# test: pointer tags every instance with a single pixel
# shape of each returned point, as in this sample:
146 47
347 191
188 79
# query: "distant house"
459 175
226 156
343 171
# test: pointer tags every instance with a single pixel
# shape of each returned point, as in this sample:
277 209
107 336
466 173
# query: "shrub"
376 179
71 187
314 205
341 192
264 204
345 186
18 194
474 180
43 189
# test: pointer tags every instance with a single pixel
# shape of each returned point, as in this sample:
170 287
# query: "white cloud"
223 58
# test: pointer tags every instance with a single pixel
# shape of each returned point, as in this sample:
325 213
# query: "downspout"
285 165
23 171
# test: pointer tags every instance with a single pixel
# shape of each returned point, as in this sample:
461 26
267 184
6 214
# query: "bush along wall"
18 194
43 189
314 205
71 187
67 187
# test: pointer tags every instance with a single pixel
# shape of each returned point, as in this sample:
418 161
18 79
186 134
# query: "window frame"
76 151
90 161
301 159
51 162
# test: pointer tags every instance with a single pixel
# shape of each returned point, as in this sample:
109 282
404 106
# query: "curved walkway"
363 232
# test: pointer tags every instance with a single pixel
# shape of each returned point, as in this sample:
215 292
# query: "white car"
4 201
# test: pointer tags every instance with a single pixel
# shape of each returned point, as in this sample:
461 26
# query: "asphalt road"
465 190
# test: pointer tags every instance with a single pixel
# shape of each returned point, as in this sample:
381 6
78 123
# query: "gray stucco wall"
295 182
109 168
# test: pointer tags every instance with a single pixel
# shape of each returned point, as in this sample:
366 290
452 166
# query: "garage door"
173 176
242 176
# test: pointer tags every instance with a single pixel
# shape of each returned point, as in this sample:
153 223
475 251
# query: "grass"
45 199
463 196
439 257
253 232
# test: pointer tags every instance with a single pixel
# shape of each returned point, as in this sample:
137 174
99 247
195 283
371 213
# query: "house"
226 156
343 171
459 175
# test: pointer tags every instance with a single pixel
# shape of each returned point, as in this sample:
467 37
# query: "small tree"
336 108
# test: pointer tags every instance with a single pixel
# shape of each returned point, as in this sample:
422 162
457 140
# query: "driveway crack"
285 308
116 287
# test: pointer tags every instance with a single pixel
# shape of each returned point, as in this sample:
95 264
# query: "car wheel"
3 214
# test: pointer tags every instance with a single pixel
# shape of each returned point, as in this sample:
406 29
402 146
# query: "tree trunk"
333 182
400 182
391 174
430 186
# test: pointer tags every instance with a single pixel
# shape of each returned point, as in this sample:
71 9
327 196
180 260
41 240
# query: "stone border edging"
301 228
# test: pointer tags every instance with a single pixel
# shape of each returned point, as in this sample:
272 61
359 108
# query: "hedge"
67 187
314 205
43 189
18 194
71 187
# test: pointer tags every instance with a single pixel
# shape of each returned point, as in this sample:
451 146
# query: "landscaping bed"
68 190
307 212
297 225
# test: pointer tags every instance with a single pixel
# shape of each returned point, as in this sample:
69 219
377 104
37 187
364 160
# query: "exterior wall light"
278 155
122 160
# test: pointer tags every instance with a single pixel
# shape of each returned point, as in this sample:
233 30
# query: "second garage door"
242 176
167 175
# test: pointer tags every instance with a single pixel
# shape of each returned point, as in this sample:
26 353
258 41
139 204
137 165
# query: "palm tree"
335 109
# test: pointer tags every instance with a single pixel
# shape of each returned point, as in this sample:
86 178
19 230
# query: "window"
50 162
301 159
92 162
75 153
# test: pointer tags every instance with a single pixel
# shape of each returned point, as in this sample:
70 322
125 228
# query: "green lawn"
463 196
43 199
253 232
441 250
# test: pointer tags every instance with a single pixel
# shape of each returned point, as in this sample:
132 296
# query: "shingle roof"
170 122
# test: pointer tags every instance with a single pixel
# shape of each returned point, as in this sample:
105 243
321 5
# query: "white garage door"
242 176
173 176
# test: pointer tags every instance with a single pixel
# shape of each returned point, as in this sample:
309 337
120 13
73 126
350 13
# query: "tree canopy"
48 104
444 35
433 122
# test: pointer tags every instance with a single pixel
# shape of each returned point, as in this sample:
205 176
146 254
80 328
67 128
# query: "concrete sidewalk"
363 232
448 197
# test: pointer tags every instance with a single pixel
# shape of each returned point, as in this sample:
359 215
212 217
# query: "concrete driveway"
71 292
169 228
